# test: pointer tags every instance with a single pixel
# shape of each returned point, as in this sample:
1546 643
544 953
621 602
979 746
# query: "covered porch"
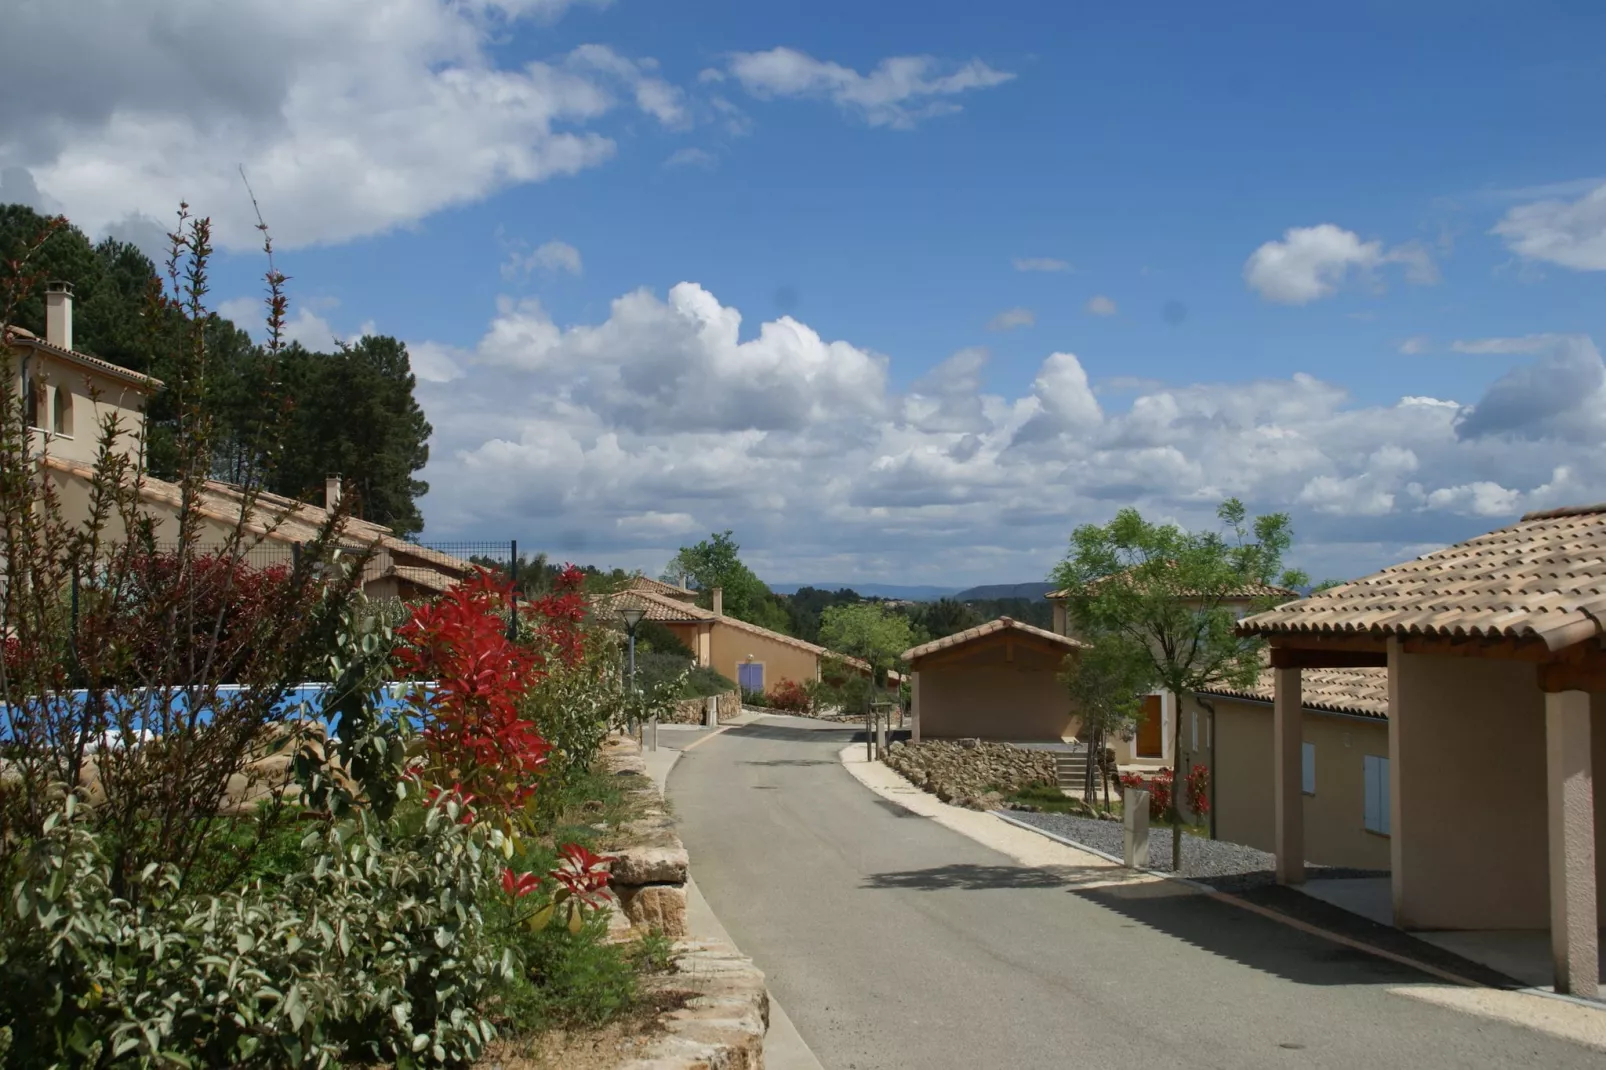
1497 723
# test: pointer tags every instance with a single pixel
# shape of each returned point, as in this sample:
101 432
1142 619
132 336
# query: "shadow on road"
793 761
1212 926
829 733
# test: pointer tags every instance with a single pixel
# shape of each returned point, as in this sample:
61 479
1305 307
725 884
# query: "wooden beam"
1560 676
1325 641
1297 658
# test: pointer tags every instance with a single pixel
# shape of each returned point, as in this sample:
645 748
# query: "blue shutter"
750 675
1377 794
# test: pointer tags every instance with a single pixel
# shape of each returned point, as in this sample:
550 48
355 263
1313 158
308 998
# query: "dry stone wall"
970 772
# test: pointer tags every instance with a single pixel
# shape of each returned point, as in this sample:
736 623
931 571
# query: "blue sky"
1246 234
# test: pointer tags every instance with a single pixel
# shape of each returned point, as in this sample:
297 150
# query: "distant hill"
872 590
992 592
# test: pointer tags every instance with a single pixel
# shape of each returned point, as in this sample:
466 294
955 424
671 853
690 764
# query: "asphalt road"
894 942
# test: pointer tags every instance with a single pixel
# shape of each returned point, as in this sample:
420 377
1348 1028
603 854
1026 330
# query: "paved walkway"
894 941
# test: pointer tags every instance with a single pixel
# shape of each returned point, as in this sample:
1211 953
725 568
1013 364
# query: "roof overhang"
1579 667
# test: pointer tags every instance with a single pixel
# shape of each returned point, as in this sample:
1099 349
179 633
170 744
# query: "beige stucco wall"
1335 816
90 399
730 646
1470 801
989 697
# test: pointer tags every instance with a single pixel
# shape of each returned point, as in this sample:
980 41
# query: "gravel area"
1228 866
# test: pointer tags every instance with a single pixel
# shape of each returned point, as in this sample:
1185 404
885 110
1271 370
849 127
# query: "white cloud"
692 157
1419 343
899 92
1011 318
1099 305
349 119
550 257
303 324
619 440
1571 233
1314 262
1040 263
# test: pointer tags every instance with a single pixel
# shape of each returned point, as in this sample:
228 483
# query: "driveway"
894 942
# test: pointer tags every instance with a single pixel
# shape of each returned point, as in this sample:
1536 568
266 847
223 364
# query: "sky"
901 291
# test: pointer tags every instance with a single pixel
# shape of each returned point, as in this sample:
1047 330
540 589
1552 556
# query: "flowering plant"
582 885
1159 789
1199 789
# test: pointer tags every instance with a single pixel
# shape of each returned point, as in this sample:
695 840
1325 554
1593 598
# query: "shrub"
1199 790
755 698
1159 789
378 951
704 681
791 695
572 978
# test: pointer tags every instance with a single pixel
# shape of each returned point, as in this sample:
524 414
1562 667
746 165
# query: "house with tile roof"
1344 762
756 658
1153 738
1495 675
70 395
998 681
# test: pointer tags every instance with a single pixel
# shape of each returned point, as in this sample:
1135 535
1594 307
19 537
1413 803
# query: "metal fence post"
513 600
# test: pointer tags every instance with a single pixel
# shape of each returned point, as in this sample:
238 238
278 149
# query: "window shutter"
1377 794
1195 723
1307 768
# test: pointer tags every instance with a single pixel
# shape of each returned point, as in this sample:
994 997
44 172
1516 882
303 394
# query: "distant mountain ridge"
985 593
993 592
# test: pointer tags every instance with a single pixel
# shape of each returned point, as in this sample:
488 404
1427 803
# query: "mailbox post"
1135 816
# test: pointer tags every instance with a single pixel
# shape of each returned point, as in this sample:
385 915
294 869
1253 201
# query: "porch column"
1574 933
914 708
1287 734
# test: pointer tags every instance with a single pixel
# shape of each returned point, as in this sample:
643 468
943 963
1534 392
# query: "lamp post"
632 616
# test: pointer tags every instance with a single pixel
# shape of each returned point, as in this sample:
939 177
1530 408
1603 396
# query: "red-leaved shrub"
475 741
790 695
1159 789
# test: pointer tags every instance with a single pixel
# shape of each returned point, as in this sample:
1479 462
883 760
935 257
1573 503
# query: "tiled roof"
281 519
424 577
668 590
659 607
791 640
1542 578
992 627
1251 590
23 336
1364 692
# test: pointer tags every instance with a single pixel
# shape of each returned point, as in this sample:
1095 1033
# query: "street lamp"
632 617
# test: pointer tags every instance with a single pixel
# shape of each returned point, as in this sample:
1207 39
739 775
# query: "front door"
750 676
1151 733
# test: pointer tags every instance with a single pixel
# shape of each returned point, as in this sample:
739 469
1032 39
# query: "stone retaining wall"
692 710
722 1025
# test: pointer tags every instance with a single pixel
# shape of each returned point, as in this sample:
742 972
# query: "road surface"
894 942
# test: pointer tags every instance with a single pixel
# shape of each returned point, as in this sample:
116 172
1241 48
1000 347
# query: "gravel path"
1216 862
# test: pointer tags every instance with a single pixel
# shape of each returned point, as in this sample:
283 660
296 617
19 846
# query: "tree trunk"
1089 791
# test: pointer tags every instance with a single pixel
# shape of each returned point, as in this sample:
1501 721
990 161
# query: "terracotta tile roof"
1364 692
659 607
427 578
1251 590
21 336
791 640
992 627
668 590
283 519
1542 578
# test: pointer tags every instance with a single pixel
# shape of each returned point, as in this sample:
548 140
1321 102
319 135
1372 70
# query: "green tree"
867 630
717 562
1106 682
1168 596
945 617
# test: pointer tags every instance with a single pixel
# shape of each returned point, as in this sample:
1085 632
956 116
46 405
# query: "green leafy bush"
572 979
704 681
378 951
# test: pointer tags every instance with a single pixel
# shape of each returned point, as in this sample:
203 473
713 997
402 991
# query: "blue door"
750 676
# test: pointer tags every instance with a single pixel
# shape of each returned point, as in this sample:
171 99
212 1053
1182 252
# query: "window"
1307 768
1377 794
1195 728
36 406
61 413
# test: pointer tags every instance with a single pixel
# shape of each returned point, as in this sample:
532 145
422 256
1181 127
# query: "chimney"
331 493
58 314
719 601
